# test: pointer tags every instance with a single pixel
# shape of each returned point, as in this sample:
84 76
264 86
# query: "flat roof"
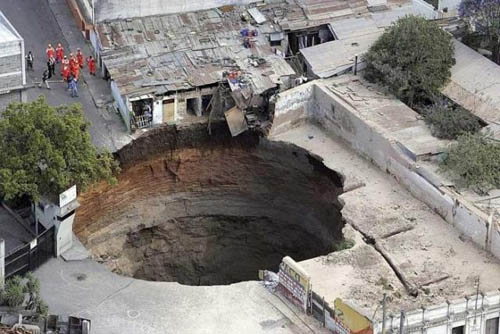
331 58
7 31
475 83
383 218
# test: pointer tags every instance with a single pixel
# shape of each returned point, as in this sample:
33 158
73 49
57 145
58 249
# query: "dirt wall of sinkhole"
206 209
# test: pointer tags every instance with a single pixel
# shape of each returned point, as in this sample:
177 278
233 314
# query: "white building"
12 65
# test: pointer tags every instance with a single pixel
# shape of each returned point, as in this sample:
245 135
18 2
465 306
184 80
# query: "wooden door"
168 110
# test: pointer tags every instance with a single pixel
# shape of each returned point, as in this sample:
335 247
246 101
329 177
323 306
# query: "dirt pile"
204 210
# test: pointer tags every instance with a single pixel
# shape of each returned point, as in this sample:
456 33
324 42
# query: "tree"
45 150
484 15
473 162
412 58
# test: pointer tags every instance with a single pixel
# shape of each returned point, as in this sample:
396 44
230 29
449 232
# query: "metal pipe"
355 64
383 313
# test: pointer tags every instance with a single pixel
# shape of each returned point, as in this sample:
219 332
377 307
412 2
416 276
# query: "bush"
447 122
412 58
473 162
13 294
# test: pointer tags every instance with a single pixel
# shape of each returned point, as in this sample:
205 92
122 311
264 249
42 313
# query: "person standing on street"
50 52
59 53
45 78
91 63
49 69
79 57
52 66
73 88
29 61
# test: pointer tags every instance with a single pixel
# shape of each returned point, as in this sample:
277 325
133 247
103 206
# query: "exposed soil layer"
205 209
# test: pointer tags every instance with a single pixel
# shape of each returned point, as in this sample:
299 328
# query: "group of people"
70 66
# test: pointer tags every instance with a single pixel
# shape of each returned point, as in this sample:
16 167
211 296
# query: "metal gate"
32 255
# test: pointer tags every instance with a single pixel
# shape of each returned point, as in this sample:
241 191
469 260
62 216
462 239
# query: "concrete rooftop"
402 246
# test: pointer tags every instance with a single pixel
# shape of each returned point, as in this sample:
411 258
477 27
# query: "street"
39 22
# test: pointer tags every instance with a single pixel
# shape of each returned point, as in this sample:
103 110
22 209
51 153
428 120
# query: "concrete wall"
472 311
120 9
11 65
124 111
7 98
312 102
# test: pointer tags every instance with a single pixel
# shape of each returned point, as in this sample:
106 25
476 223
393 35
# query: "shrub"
473 162
447 122
13 294
412 58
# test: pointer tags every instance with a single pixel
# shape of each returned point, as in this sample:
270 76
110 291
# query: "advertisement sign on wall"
295 283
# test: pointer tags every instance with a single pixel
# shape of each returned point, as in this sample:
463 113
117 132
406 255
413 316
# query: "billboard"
295 283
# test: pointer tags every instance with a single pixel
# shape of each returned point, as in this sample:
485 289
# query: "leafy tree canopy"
412 58
474 162
484 15
45 150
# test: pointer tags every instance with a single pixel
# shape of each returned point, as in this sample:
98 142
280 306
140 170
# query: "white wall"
157 112
124 111
472 311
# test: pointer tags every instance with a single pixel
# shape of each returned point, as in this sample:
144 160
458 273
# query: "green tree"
44 150
412 58
473 162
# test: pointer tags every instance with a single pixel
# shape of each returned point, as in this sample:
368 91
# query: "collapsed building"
227 61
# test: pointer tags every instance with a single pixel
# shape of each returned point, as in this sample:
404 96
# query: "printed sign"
351 319
295 283
67 197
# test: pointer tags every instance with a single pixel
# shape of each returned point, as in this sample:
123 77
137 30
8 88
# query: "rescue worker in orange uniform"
59 53
50 52
65 68
74 68
91 63
79 57
71 60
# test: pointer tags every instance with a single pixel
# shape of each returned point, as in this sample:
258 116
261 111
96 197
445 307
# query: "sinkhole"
203 209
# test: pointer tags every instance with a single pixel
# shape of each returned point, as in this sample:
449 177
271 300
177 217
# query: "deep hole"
211 209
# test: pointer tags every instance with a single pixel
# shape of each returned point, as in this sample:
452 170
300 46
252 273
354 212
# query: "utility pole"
383 313
401 322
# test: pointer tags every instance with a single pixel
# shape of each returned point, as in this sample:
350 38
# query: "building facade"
12 65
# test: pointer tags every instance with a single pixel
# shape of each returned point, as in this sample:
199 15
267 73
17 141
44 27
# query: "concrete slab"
118 304
77 252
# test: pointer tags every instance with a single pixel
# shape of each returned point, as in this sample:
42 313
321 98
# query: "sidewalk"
107 128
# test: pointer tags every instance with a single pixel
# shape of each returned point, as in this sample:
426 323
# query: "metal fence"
32 255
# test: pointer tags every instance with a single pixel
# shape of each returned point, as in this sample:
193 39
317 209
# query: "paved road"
118 304
39 26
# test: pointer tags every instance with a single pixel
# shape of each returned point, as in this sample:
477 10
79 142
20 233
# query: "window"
492 326
458 330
